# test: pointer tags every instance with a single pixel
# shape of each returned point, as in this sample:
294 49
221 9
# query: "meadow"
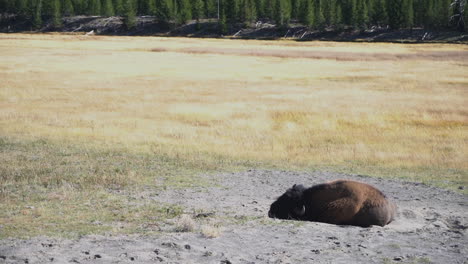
88 122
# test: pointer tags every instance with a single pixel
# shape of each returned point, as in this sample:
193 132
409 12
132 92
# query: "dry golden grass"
364 108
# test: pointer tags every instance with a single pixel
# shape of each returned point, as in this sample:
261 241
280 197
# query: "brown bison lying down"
339 202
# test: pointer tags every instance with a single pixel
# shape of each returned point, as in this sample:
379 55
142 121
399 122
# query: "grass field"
84 119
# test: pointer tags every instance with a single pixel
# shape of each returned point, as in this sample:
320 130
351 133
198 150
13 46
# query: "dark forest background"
316 14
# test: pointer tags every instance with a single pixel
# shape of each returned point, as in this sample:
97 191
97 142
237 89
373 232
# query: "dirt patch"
431 227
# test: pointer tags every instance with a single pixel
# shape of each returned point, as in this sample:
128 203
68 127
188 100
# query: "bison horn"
299 211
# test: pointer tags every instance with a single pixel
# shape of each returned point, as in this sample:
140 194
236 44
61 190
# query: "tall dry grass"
379 109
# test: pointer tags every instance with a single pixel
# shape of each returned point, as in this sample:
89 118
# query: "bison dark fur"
339 202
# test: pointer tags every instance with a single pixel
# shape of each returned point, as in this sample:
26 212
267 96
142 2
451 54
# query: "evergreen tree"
428 14
307 13
67 8
379 13
118 7
442 13
129 13
3 7
295 9
197 9
79 7
268 9
56 15
107 8
163 10
318 16
210 8
94 7
259 6
230 11
36 13
396 18
362 14
185 11
282 12
223 28
278 15
408 13
462 24
329 11
349 9
152 10
247 11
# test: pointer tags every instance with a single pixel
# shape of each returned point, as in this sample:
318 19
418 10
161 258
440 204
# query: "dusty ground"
431 228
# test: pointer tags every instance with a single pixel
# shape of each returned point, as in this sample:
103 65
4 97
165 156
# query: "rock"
170 244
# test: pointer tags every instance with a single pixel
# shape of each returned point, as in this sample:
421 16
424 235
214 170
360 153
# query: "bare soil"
431 227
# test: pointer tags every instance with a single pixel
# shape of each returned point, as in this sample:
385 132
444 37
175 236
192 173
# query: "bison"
340 202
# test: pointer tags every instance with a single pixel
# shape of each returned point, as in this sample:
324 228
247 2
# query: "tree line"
316 14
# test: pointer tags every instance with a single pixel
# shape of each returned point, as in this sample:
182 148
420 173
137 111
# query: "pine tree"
223 28
462 26
3 6
428 13
163 11
151 8
107 8
339 16
36 17
379 13
278 14
408 13
282 12
349 9
247 12
94 7
396 18
67 8
268 9
295 9
329 11
260 7
129 14
56 15
210 8
79 7
197 9
231 11
362 14
118 7
318 16
185 11
307 13
442 13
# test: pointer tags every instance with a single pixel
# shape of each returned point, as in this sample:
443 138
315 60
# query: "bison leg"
375 215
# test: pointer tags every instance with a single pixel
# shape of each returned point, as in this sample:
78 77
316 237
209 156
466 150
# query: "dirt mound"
431 227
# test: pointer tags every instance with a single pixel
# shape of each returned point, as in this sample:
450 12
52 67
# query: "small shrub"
210 231
185 224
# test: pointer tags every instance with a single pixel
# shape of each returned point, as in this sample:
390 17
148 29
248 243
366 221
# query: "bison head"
289 205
